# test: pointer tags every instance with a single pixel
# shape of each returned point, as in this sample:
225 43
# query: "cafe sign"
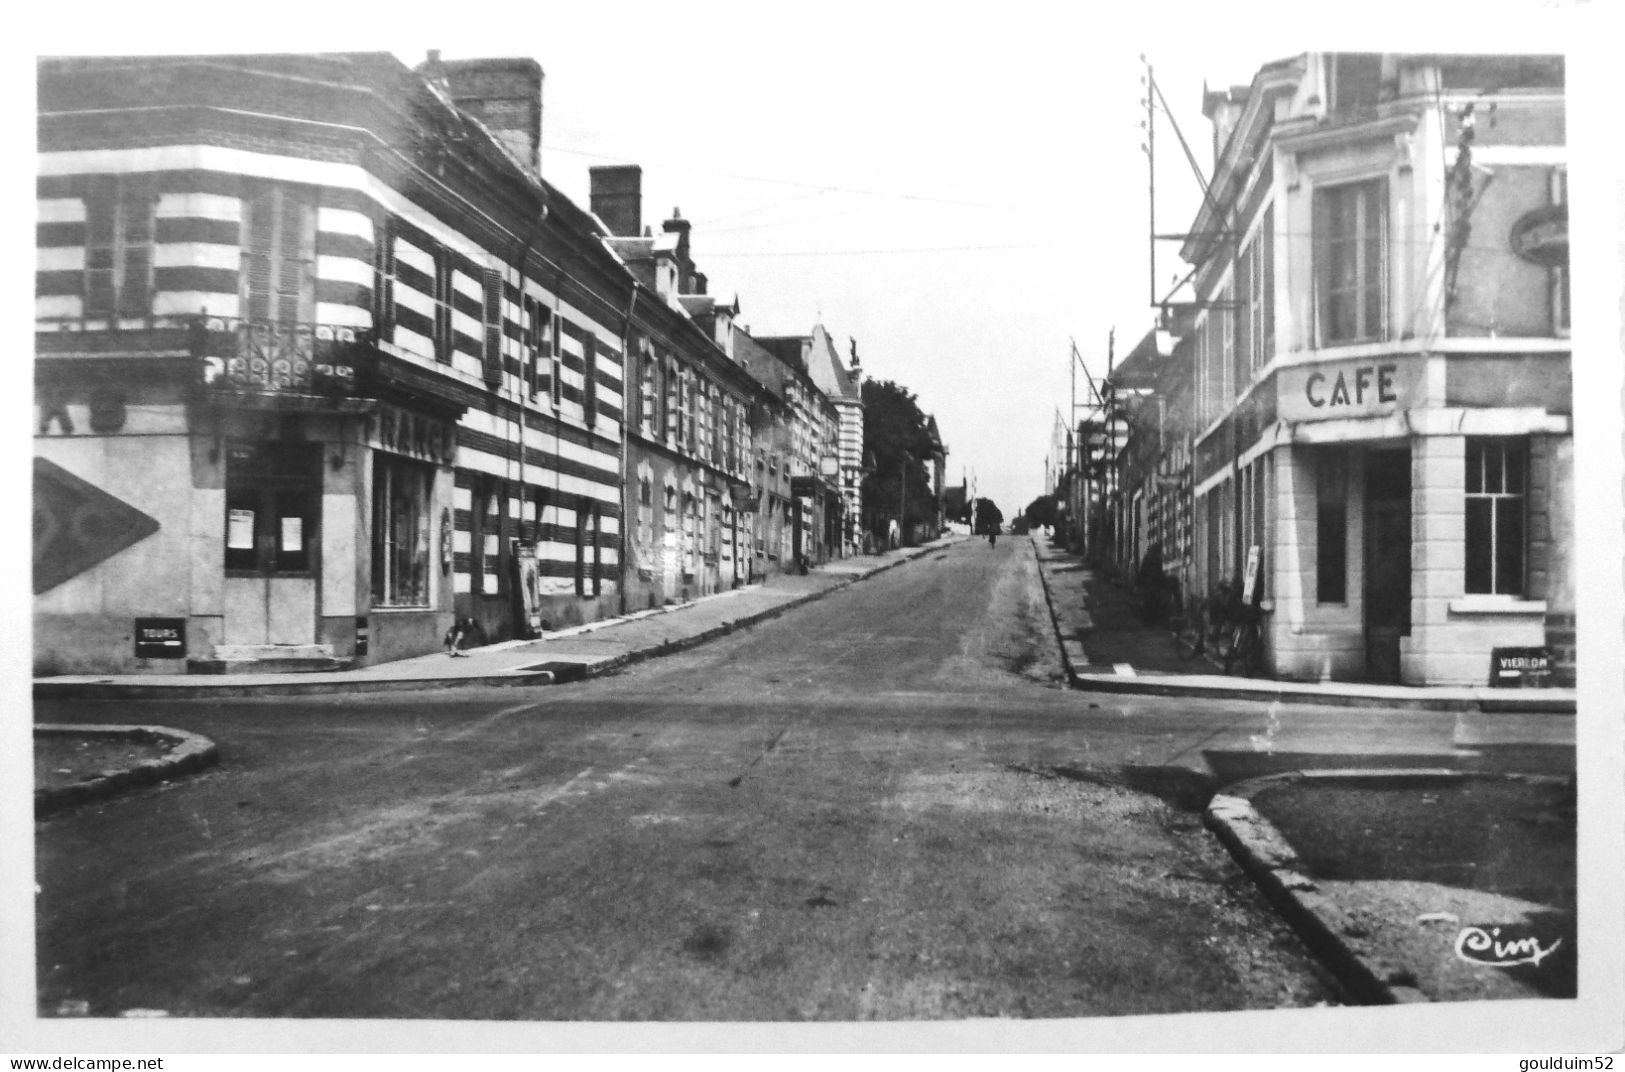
1367 387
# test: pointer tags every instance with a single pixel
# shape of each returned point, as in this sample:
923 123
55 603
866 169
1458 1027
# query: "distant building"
689 436
799 509
842 385
1381 367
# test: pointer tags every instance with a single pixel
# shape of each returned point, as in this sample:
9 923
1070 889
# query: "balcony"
267 358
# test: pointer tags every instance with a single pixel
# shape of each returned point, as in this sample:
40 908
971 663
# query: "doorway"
273 520
1387 560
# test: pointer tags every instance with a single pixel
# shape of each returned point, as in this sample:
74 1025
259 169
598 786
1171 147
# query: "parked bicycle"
1225 627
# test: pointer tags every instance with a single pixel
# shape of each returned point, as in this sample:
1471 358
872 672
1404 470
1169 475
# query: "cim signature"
1479 946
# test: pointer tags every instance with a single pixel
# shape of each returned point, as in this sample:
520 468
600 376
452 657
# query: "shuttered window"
589 372
443 290
278 281
119 213
492 357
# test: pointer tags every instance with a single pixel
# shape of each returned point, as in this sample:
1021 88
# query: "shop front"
1416 532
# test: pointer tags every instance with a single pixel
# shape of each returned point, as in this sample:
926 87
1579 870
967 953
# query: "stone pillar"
1438 532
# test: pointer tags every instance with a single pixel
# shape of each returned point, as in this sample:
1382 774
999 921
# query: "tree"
896 439
988 517
1041 511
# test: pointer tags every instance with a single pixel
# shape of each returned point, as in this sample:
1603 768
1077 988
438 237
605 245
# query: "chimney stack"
685 263
617 198
504 94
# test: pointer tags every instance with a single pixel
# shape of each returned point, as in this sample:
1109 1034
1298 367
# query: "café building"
1383 426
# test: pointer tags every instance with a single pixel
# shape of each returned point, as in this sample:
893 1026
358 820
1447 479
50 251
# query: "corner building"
1382 367
321 365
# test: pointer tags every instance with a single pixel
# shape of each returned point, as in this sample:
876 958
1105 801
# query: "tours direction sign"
77 525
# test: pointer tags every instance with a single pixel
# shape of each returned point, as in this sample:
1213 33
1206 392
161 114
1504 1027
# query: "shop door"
1387 560
273 516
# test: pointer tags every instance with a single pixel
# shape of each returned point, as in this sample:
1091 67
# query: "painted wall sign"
401 431
1541 236
1514 668
160 638
77 525
1333 389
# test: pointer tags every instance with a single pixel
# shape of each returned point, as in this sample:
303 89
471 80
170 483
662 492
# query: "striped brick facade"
469 306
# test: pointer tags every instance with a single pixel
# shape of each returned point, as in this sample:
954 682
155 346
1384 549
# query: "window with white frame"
1351 274
1255 322
1497 479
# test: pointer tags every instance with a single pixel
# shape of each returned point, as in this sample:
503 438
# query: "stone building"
689 436
1381 363
799 509
842 386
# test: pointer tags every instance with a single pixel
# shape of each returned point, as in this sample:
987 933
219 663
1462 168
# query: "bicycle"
1202 625
1246 643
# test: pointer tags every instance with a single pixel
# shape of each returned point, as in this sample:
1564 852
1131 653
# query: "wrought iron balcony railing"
262 356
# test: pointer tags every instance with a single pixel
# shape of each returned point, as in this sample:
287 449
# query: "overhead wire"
822 187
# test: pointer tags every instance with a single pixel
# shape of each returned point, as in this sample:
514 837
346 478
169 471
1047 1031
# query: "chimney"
1224 108
617 198
504 94
685 266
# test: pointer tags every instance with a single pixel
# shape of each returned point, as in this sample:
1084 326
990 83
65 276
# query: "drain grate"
560 671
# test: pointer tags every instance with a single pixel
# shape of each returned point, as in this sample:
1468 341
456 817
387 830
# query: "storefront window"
1496 471
400 532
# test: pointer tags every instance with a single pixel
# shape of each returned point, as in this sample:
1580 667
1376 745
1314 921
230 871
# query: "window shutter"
442 305
258 250
296 258
138 203
384 317
493 327
101 209
589 382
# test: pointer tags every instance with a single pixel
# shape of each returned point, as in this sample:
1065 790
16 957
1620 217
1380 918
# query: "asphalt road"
883 805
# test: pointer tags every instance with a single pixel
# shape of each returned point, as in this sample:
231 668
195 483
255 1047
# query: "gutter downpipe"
626 432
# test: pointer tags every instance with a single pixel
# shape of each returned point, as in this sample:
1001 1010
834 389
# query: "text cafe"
1421 517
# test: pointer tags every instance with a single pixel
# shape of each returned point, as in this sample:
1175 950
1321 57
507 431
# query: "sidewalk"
1106 648
565 655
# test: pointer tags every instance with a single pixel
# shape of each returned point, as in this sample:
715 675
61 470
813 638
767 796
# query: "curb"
192 752
1272 864
1076 662
47 689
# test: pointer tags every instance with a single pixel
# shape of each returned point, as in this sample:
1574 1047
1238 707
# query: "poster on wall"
240 530
528 586
1249 583
293 534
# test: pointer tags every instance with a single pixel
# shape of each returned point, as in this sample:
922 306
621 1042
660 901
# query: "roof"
827 370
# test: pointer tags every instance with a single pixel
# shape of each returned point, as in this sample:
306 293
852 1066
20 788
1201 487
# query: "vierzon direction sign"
77 525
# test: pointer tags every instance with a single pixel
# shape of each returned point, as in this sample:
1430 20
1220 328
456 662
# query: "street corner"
1385 874
74 764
